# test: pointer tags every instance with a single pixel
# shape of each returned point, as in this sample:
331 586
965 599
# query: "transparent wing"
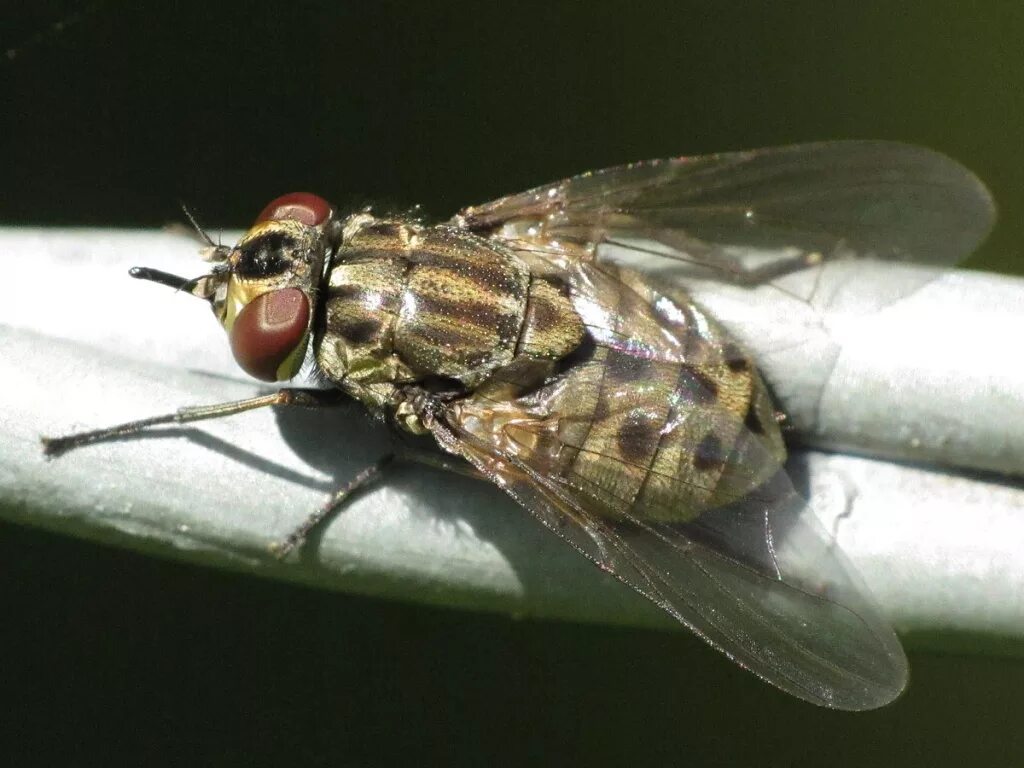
653 450
757 580
807 202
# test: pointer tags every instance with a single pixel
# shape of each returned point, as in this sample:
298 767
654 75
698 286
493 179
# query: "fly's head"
264 289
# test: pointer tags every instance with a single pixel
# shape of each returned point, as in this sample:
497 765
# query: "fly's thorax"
408 303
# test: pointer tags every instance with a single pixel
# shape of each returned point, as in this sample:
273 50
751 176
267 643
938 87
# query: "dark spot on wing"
753 422
628 369
583 354
638 436
696 387
709 454
736 361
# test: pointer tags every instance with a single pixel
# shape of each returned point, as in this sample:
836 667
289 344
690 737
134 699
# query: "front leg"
304 398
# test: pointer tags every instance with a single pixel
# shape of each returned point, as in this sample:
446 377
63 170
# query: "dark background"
135 106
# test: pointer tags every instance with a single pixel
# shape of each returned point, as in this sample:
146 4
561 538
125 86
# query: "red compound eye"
267 330
305 207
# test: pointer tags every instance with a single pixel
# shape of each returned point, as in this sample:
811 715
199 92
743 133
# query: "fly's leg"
364 479
304 398
451 464
406 450
311 398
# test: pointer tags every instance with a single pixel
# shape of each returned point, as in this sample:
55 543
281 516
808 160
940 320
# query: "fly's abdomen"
657 412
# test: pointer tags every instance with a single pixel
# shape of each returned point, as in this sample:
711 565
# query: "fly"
612 407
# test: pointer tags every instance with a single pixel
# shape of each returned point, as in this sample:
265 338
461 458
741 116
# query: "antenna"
164 278
195 225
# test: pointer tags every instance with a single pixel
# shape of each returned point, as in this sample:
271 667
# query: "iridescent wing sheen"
812 636
612 453
757 579
795 204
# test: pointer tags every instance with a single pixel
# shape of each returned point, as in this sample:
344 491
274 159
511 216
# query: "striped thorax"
435 307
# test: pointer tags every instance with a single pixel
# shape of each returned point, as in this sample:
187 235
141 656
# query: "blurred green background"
135 106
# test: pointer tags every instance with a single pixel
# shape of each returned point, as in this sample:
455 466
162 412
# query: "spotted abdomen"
657 412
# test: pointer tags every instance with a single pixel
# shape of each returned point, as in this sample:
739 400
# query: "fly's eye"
268 331
305 207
